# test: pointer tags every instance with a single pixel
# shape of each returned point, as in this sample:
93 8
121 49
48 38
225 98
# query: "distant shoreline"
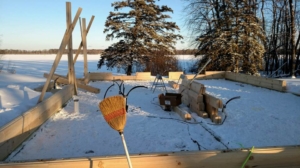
89 51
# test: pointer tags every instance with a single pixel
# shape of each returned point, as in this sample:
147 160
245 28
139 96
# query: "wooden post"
61 49
84 44
70 45
71 69
81 44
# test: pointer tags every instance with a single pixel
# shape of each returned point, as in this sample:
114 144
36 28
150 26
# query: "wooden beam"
274 84
173 84
143 76
260 157
60 52
197 87
81 85
175 75
213 101
197 97
18 130
182 113
100 76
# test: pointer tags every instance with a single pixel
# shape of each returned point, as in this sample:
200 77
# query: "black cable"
107 90
135 88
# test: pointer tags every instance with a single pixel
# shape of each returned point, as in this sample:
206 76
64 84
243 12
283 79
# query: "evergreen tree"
232 37
142 30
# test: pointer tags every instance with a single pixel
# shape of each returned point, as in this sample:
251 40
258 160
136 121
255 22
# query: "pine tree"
142 30
233 36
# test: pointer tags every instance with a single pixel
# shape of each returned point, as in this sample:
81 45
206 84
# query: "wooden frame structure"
19 129
67 41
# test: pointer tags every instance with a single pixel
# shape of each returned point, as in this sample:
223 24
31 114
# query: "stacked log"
200 102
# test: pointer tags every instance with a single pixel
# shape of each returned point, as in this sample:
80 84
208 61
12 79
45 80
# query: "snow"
260 117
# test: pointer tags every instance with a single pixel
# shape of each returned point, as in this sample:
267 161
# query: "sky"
41 24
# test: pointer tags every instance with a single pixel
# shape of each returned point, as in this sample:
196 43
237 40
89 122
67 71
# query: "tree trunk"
293 35
129 70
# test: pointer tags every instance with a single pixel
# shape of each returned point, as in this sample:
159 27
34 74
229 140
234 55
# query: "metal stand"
158 82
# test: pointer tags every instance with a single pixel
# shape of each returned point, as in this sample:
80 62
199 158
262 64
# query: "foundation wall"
19 129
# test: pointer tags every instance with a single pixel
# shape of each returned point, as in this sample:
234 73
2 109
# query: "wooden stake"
84 43
81 44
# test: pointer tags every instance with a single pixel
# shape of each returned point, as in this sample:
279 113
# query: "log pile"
200 102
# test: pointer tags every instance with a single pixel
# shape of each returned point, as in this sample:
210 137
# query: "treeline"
90 51
50 51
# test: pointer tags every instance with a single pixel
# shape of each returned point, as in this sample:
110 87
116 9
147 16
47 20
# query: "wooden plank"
197 87
143 76
79 84
213 101
61 49
261 157
221 73
123 77
175 75
194 96
16 131
100 76
8 146
11 129
230 76
274 84
173 84
182 113
212 75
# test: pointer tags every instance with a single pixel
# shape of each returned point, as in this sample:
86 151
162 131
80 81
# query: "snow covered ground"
260 118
